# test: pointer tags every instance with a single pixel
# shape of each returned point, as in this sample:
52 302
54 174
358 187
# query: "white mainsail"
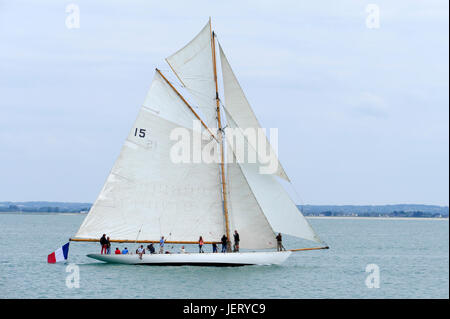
193 65
237 106
146 194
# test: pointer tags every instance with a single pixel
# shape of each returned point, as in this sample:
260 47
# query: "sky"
362 112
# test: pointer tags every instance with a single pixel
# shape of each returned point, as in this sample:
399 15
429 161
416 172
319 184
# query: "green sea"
409 257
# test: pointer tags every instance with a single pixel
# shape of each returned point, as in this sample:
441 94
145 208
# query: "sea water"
408 257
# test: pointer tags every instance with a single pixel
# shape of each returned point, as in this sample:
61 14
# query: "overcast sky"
362 113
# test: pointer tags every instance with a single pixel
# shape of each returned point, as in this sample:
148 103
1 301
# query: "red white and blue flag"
59 255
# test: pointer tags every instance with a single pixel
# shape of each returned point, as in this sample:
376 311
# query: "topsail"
193 65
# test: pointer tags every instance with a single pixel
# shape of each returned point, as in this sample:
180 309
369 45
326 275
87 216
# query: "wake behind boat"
152 191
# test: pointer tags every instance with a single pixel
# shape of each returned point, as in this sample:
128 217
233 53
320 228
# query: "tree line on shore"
398 210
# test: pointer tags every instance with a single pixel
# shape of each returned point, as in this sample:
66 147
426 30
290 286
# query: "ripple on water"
412 257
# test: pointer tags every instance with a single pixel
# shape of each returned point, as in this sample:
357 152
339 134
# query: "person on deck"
236 241
125 251
151 249
161 245
103 243
108 246
279 242
117 252
140 251
214 247
182 250
224 241
200 245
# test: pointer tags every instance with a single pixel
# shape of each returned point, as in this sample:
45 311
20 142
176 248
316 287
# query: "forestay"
147 195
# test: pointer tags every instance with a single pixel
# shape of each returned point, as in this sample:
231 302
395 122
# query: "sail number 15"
140 133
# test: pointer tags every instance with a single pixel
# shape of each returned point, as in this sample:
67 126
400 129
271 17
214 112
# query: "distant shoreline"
307 217
376 217
391 211
45 213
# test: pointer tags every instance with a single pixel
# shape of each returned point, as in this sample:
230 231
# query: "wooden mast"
222 156
185 102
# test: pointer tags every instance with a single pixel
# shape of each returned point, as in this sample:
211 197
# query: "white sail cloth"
146 194
193 65
237 106
272 199
244 213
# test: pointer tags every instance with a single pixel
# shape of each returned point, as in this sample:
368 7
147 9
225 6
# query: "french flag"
59 255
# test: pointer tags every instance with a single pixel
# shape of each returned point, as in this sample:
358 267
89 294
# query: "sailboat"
148 195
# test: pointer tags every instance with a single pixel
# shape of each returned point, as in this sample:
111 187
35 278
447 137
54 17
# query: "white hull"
196 259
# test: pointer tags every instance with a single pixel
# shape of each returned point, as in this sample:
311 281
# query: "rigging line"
223 105
198 77
139 232
175 72
200 94
170 78
150 109
194 90
187 104
175 83
320 240
173 80
116 174
298 195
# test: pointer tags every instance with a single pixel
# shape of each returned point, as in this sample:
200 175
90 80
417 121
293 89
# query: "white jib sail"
193 65
279 209
238 107
244 213
147 195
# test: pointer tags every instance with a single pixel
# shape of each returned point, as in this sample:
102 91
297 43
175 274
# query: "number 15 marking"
141 132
